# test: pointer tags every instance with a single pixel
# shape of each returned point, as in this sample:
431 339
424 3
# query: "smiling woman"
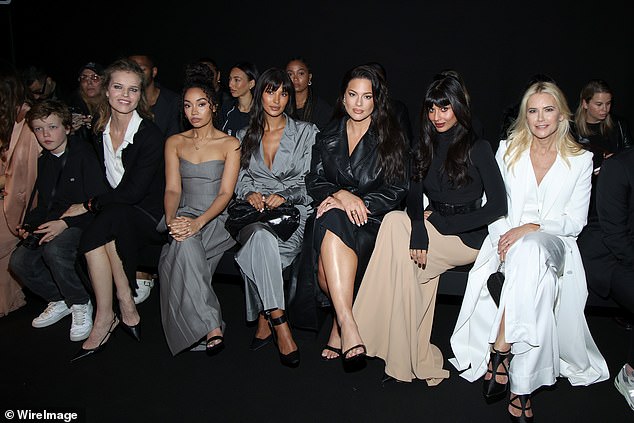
547 179
454 168
127 214
358 174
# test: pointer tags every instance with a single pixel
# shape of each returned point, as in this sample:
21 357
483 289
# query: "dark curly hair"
198 75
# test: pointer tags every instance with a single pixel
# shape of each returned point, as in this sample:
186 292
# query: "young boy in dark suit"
68 173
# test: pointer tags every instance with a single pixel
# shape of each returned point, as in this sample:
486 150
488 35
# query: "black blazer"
606 243
81 179
143 182
332 169
615 205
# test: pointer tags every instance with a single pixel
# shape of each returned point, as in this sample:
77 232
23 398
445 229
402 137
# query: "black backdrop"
495 45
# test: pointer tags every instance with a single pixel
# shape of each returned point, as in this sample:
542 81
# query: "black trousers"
607 276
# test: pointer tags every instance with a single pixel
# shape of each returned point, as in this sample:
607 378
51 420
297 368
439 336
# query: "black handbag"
495 283
283 220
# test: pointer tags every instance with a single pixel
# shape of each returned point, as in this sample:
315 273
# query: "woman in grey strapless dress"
189 306
201 169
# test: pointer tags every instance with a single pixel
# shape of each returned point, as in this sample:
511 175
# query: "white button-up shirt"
113 159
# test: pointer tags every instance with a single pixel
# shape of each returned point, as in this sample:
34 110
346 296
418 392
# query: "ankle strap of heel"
276 321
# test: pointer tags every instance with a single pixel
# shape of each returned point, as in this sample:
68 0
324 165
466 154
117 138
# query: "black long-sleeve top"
615 205
63 182
471 227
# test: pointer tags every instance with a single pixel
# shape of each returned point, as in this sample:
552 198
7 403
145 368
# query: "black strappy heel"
291 359
522 418
492 389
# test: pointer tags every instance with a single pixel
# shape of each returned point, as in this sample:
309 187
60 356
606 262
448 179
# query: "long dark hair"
391 141
250 70
446 91
270 80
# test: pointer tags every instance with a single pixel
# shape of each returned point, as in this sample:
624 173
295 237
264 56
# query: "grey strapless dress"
189 306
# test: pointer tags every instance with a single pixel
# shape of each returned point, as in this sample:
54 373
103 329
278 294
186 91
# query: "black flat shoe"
257 343
356 357
492 389
102 344
213 349
133 331
522 418
291 359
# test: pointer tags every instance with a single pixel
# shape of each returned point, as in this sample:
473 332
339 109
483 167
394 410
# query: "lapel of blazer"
132 149
558 177
285 150
338 147
364 151
520 178
97 143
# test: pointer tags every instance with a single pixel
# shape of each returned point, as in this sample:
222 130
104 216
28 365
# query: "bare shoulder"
176 140
229 143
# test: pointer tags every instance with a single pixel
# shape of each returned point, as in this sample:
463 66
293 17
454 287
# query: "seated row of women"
522 207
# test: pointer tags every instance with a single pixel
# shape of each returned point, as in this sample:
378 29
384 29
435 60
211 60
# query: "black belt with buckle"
447 209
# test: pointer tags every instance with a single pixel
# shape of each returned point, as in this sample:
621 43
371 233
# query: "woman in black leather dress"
358 174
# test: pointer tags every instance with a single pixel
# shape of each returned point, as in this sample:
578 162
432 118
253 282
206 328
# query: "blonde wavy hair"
520 136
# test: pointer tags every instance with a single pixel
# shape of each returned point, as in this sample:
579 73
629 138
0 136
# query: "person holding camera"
68 173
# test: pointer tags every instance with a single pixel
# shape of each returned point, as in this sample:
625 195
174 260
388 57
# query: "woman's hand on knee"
329 203
419 257
512 236
354 207
182 227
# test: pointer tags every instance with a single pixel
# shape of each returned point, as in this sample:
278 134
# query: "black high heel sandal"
357 357
212 349
522 418
291 359
257 343
82 353
492 389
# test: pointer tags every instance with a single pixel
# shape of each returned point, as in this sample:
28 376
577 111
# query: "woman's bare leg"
101 278
334 340
339 265
129 313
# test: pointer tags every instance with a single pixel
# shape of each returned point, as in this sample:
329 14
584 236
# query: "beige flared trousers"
394 308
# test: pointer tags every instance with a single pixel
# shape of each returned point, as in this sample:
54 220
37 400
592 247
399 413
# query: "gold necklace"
197 146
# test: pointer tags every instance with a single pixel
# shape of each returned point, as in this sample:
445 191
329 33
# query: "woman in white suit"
539 322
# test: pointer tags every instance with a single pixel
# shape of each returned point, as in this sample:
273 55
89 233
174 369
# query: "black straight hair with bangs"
442 92
269 81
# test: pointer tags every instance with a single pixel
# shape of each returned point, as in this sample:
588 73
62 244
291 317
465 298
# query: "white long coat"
563 213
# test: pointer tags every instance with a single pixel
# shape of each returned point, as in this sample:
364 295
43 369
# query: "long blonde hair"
520 136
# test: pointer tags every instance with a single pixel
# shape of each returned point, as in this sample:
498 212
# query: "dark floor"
142 382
